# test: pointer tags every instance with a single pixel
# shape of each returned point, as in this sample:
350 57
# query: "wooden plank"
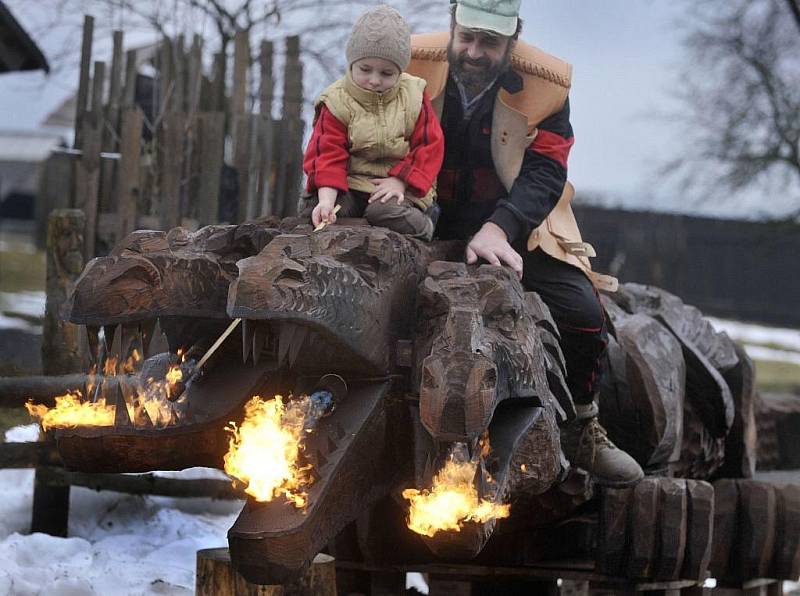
699 530
165 81
266 158
147 484
243 162
613 540
288 183
644 537
672 523
267 84
241 65
211 146
787 539
757 519
28 455
171 133
218 95
15 391
128 98
726 521
88 179
178 76
194 75
56 187
98 87
83 80
128 180
111 130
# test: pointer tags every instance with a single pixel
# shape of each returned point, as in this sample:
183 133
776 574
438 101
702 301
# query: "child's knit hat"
380 33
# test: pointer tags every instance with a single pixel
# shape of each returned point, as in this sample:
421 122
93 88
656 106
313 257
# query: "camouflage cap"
498 16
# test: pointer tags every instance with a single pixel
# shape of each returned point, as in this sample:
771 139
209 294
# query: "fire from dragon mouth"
147 403
453 499
265 451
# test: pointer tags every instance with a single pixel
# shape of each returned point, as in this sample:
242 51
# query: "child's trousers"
404 218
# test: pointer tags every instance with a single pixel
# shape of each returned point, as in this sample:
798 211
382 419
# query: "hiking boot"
587 446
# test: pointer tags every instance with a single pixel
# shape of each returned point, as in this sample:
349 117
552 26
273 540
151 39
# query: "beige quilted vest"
379 126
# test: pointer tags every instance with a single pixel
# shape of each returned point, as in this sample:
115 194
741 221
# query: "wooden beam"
83 81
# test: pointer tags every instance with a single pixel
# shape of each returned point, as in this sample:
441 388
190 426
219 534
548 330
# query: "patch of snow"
22 434
27 303
118 544
762 353
750 333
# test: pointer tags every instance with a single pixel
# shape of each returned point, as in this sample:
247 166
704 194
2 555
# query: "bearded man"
504 108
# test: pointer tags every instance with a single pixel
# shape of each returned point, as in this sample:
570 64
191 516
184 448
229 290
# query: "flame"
70 411
264 451
453 498
147 403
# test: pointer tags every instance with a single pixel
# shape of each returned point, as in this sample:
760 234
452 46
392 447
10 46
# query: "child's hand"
324 211
387 189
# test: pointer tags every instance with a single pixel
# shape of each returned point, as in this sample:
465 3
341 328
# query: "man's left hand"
387 189
491 244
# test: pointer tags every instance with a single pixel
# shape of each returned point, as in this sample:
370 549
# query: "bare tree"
740 97
323 24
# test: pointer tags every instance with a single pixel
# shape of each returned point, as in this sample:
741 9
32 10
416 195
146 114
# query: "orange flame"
264 451
70 411
150 398
452 500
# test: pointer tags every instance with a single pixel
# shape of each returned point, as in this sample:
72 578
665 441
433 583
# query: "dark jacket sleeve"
541 179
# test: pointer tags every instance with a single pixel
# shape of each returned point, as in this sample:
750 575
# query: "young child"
377 146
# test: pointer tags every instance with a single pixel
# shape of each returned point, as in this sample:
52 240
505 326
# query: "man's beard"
475 81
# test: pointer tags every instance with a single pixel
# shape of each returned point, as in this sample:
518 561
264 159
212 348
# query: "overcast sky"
626 56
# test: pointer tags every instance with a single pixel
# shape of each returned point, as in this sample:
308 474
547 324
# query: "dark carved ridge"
400 320
355 287
153 274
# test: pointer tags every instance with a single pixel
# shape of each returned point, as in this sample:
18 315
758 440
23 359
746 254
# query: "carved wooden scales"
436 353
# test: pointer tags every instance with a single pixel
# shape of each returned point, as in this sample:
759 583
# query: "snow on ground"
783 344
118 544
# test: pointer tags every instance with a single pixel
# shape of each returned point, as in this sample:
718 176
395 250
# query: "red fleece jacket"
325 160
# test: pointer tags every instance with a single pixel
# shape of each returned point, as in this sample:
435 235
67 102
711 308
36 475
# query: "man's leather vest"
379 126
546 83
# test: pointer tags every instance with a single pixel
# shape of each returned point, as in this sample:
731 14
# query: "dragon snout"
456 395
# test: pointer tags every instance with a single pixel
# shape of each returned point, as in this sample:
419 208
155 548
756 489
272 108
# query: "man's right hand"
323 212
491 244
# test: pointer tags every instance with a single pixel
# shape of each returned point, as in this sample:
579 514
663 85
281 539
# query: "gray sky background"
626 56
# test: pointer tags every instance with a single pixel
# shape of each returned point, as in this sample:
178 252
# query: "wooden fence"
188 146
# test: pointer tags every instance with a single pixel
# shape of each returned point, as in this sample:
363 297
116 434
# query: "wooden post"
61 350
127 188
87 179
111 130
264 132
242 123
129 92
170 159
211 143
291 155
61 345
55 191
165 86
98 82
216 576
83 81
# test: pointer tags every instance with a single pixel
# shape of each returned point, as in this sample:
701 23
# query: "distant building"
22 157
17 50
